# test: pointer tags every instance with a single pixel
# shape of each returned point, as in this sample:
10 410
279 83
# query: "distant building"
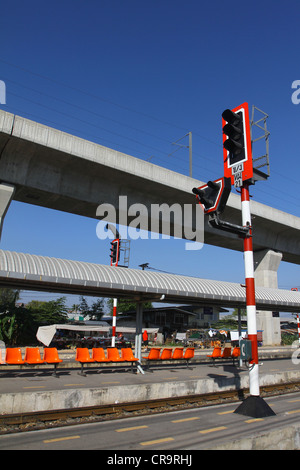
179 318
76 316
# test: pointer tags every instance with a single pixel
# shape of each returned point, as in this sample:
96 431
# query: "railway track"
10 423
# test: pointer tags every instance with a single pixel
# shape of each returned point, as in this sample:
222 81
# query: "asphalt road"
194 429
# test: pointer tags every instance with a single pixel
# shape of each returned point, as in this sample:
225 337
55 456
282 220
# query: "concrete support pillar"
266 263
138 335
6 195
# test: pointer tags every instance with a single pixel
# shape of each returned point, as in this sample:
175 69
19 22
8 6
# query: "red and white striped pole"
254 405
114 322
298 323
250 292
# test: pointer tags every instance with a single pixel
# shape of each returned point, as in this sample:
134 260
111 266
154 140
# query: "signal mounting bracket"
215 222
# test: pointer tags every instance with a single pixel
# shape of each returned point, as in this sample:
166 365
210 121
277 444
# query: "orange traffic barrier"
51 357
33 356
14 356
83 356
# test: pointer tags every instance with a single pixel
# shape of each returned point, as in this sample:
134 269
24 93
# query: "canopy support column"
266 266
138 335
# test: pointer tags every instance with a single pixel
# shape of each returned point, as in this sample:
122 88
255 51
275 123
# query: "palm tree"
75 308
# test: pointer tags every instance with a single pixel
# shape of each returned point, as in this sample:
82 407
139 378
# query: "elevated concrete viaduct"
50 168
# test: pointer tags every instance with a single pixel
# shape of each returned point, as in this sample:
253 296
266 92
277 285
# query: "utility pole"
190 154
189 134
115 253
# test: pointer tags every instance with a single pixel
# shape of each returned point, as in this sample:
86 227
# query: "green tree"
16 324
8 296
46 313
229 322
75 308
83 307
126 305
95 311
236 312
19 324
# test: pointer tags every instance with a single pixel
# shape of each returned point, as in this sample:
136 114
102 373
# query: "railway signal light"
213 196
234 129
115 252
237 144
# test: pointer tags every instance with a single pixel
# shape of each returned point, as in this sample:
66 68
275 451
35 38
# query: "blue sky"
136 76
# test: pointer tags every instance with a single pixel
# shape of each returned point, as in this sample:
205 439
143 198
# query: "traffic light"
213 196
237 144
115 252
234 129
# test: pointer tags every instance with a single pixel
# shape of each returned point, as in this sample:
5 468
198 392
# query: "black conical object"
255 407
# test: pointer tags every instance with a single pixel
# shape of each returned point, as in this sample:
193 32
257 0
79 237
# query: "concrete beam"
53 169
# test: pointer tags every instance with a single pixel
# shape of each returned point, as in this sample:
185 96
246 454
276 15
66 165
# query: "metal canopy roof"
32 272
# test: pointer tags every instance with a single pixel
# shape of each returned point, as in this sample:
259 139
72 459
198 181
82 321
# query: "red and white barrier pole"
298 323
114 322
250 292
